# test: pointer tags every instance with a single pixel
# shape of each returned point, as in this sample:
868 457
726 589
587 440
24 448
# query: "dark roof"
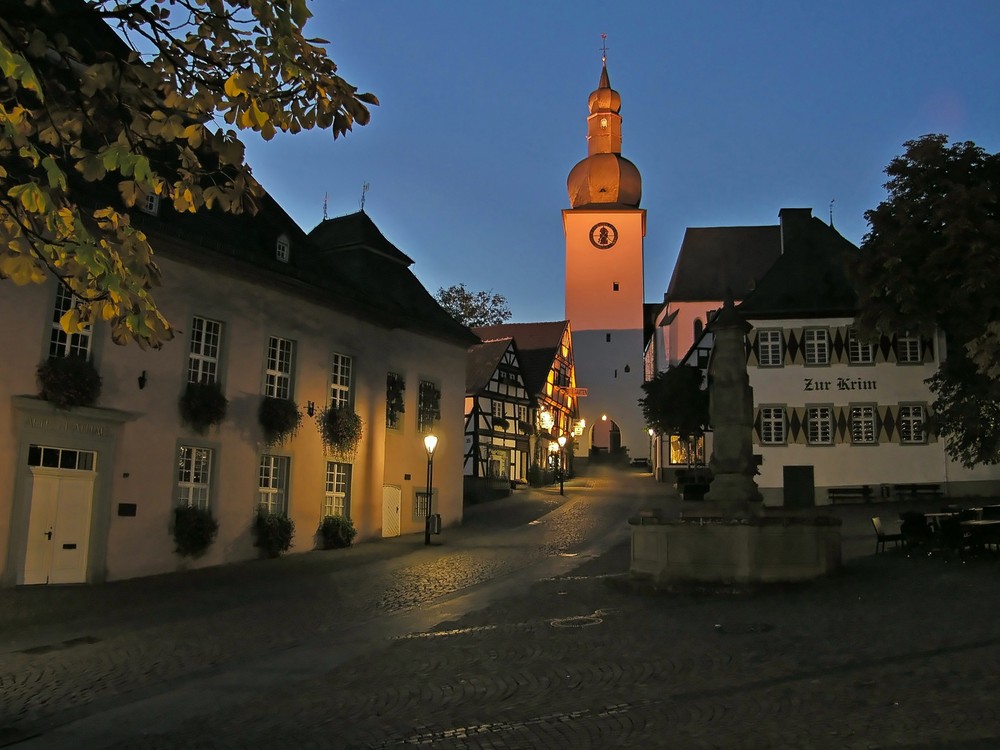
481 362
537 345
810 279
354 231
714 259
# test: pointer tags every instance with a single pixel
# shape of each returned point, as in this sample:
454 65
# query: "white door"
392 499
58 526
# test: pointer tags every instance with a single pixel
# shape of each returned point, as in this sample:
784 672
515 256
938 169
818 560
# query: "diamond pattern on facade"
794 426
792 348
888 424
842 424
839 345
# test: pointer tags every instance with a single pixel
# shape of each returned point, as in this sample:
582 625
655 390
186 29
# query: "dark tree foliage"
474 308
931 260
675 402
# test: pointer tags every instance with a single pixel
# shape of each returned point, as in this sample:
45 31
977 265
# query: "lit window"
522 412
278 379
911 424
686 452
498 408
194 476
769 349
772 425
858 353
908 350
203 356
819 422
282 249
150 204
272 484
817 346
336 500
62 344
340 380
863 424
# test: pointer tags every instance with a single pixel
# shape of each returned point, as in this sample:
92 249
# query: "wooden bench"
918 490
848 494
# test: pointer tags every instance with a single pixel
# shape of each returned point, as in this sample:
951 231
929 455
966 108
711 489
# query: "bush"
194 530
337 532
69 381
273 532
202 405
279 418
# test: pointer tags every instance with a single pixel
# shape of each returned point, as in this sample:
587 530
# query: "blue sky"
731 111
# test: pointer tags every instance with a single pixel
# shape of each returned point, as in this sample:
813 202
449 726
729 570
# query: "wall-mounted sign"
839 384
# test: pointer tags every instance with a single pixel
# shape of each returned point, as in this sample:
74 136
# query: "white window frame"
203 351
498 408
337 493
864 424
522 412
911 421
819 425
341 377
194 476
420 503
857 352
62 344
909 350
770 349
816 346
150 204
283 249
272 483
280 360
773 425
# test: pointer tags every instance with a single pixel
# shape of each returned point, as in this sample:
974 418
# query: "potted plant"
69 381
273 532
501 423
279 418
194 530
202 405
336 532
340 428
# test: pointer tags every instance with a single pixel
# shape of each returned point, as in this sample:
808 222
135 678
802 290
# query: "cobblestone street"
519 631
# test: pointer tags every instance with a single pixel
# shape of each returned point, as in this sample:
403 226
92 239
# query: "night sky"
731 111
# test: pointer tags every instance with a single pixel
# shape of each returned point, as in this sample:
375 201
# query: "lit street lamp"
652 464
430 443
562 461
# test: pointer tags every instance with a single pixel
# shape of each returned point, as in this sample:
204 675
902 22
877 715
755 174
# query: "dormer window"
150 204
282 249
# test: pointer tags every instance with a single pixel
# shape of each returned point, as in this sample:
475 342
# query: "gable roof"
714 259
537 345
481 361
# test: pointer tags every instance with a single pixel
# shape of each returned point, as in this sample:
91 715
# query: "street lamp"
430 443
652 465
562 461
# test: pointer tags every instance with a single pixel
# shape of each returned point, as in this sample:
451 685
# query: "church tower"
604 231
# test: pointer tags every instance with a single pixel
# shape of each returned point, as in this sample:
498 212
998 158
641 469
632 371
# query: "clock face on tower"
603 235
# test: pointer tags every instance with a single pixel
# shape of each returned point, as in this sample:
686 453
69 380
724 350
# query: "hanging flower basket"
202 405
395 387
69 382
340 428
279 418
194 530
501 423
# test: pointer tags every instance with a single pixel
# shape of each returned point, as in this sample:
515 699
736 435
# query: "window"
908 350
395 405
340 380
607 337
194 476
272 483
614 286
699 328
858 353
819 425
687 452
817 346
278 380
769 353
61 458
863 425
498 409
420 504
522 412
62 344
911 424
336 501
203 356
772 425
282 249
150 204
429 406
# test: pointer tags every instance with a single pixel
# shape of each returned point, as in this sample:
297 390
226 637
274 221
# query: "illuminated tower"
604 231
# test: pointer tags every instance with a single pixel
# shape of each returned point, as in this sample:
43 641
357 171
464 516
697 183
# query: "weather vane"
604 48
831 210
364 192
326 197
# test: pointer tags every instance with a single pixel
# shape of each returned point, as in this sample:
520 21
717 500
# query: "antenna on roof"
831 210
604 48
364 192
326 198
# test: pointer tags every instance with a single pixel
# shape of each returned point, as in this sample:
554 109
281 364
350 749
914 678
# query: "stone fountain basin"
754 549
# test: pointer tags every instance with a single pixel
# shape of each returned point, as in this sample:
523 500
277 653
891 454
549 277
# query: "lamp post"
562 461
652 464
430 443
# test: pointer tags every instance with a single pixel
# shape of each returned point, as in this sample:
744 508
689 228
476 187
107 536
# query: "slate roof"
481 361
713 259
537 345
810 279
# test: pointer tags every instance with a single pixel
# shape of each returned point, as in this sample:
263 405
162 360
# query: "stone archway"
605 438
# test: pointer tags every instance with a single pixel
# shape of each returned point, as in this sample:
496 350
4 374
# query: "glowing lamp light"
430 443
604 417
562 441
651 432
546 420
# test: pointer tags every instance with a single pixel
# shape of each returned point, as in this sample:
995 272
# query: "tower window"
614 286
607 337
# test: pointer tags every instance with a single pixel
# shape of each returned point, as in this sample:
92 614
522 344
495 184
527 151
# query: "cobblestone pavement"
431 650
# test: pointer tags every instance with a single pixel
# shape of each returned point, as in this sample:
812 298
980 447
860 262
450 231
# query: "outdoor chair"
881 537
953 537
915 529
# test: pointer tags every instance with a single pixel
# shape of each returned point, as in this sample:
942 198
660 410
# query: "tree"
676 404
132 96
474 308
931 260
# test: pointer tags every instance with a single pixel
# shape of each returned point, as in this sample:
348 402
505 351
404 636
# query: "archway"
605 438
